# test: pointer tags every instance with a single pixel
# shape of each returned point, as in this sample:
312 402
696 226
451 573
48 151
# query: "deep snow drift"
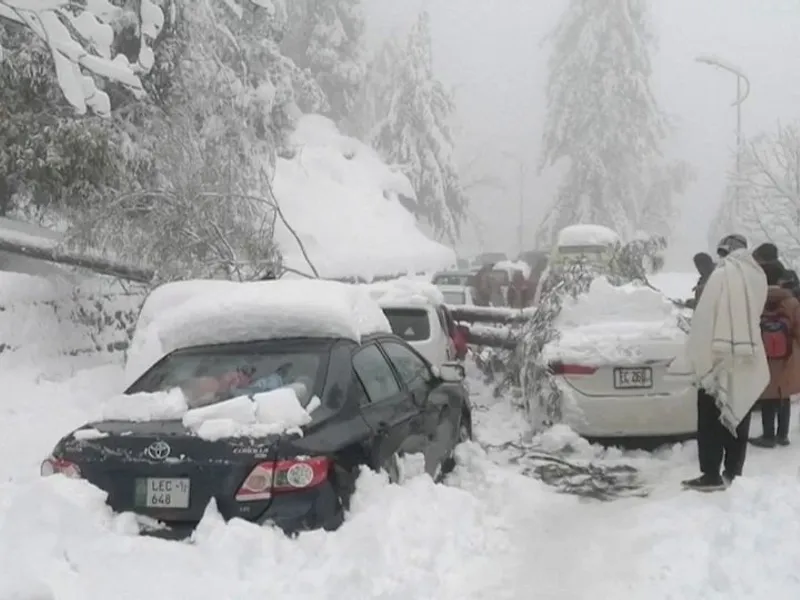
343 202
490 533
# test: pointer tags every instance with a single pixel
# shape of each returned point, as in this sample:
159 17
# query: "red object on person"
460 341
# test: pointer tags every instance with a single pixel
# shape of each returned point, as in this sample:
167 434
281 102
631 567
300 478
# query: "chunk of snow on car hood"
146 406
619 324
267 413
197 312
332 180
587 235
405 291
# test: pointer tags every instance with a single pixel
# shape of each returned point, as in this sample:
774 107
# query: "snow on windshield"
514 265
260 414
587 235
216 312
615 323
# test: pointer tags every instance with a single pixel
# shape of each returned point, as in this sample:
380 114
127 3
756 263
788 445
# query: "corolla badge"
157 450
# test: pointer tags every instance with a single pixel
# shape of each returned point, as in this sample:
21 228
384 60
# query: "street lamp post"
741 96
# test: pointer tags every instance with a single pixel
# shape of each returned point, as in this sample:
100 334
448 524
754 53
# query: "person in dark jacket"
518 294
705 266
768 253
780 326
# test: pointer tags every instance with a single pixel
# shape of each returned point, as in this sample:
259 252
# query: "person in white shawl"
724 356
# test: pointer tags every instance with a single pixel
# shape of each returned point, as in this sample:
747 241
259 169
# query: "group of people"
744 351
487 290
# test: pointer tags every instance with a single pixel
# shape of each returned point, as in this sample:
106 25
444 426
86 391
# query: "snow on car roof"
587 235
194 313
405 292
514 265
614 324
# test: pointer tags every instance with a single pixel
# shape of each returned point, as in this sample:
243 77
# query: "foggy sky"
495 57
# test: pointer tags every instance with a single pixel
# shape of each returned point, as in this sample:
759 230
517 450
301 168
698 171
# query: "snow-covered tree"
768 206
325 38
604 120
412 112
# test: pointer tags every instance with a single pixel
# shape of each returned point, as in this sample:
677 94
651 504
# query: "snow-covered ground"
492 532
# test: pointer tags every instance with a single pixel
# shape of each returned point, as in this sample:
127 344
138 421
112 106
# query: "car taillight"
559 368
59 466
283 476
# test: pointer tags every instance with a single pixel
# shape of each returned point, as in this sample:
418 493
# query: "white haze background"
494 55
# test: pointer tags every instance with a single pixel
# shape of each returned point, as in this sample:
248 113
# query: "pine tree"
414 109
325 38
603 117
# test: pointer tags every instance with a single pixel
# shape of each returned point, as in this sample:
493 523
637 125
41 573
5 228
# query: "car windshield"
214 374
453 297
411 324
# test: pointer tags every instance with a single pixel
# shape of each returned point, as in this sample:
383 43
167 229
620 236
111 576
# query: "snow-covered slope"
342 201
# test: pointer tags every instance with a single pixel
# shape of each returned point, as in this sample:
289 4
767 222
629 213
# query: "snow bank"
587 235
194 313
405 291
343 202
675 285
615 324
57 325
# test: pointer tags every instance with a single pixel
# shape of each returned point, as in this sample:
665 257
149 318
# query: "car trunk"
158 470
638 369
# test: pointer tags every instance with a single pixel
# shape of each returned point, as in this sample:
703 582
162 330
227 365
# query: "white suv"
426 327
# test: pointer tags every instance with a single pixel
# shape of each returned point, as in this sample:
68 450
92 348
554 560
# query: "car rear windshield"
500 276
453 297
215 374
411 324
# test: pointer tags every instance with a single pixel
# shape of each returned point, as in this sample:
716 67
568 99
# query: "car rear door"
389 409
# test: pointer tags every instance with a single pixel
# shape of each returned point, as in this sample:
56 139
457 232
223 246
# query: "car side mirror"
450 372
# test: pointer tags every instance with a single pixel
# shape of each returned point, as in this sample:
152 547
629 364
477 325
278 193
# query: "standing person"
483 286
704 265
767 254
780 327
518 294
724 355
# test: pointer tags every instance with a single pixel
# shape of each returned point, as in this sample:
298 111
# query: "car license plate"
633 378
163 492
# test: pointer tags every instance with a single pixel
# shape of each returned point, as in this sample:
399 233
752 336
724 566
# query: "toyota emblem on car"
157 450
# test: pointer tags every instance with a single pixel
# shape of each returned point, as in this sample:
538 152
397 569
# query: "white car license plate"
631 378
163 492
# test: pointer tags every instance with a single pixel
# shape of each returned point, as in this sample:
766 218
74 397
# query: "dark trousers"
772 410
715 444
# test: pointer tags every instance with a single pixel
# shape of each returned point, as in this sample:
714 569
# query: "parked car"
428 328
455 277
610 362
457 295
369 402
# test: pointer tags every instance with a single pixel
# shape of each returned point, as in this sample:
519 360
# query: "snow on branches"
81 40
768 204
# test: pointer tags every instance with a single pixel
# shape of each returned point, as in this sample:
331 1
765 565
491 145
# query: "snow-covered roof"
405 292
587 235
342 200
616 323
193 313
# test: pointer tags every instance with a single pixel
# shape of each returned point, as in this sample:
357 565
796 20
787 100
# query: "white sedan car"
610 364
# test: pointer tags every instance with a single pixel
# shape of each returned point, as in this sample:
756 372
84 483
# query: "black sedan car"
376 401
